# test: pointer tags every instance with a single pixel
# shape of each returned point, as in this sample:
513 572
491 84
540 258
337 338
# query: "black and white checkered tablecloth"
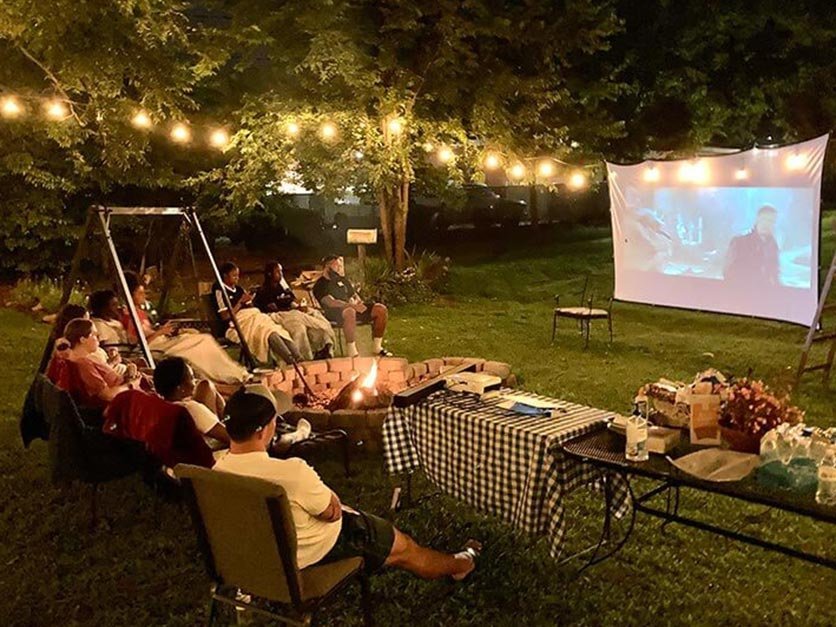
499 461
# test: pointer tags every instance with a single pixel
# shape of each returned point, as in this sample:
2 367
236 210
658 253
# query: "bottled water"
826 493
637 433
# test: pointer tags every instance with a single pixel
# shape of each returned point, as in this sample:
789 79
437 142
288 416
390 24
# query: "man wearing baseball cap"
326 530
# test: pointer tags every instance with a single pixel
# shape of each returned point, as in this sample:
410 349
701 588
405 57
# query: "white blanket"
257 327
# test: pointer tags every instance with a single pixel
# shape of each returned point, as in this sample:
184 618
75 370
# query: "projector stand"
817 334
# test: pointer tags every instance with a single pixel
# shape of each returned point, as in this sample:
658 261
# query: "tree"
403 83
103 61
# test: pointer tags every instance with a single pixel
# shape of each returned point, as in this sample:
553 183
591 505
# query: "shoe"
384 353
303 428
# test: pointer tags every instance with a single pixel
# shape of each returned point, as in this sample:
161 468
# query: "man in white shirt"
326 530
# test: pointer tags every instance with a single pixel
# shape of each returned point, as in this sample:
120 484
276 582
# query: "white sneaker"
303 430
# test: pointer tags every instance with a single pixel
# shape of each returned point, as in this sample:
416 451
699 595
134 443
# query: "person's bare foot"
472 550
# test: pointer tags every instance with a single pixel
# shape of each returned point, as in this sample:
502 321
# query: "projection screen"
735 233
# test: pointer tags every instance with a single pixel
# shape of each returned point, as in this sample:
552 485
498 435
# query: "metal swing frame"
100 215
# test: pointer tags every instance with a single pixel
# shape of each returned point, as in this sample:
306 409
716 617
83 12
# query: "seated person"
175 382
93 384
341 304
201 350
326 530
106 313
263 335
310 331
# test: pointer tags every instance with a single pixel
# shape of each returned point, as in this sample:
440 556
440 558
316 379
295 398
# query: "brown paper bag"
705 414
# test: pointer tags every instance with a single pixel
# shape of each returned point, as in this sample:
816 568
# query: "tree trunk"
386 224
401 210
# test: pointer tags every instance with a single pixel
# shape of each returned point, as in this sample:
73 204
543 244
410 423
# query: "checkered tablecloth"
499 461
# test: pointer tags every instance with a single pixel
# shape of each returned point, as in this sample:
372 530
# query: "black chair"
79 451
584 314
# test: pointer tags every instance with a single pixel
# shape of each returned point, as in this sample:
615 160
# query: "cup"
637 433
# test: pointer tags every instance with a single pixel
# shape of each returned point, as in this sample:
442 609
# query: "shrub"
424 276
46 292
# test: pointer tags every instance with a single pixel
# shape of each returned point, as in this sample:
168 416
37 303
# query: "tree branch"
53 79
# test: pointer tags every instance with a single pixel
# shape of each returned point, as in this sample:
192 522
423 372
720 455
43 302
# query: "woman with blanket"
205 355
263 335
309 329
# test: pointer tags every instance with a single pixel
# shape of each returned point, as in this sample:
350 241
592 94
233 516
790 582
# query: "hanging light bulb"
796 161
219 138
651 174
741 174
10 107
545 169
180 133
56 110
445 155
517 171
141 120
395 125
292 129
577 180
328 131
492 161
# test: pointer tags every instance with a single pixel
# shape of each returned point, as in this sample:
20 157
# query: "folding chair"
584 314
246 534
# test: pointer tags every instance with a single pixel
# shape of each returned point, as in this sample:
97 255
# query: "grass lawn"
143 567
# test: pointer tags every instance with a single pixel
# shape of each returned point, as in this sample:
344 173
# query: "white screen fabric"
735 233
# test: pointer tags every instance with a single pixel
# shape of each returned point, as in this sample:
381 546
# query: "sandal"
472 551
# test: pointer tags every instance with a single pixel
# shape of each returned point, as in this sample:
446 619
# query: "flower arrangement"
751 408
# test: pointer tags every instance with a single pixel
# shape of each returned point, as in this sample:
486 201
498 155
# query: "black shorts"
336 315
363 535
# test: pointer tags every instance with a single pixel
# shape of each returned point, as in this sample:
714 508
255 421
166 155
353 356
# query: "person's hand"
359 307
167 328
131 372
113 356
247 298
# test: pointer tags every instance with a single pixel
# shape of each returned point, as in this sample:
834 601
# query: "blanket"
257 327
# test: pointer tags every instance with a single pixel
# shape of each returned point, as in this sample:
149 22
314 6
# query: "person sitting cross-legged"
342 304
326 530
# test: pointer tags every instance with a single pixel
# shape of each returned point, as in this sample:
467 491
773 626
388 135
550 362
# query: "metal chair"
246 534
584 314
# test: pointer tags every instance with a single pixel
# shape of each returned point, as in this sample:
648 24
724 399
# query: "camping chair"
584 314
79 451
246 534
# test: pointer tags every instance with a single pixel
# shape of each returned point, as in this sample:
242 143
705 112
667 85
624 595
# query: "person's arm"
219 433
245 301
333 512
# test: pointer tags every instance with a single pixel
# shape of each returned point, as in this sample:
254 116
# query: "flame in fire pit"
368 382
366 385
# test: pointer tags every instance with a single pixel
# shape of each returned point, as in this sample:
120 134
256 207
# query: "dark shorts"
336 315
363 535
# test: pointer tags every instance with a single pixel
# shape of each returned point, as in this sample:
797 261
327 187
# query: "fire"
368 382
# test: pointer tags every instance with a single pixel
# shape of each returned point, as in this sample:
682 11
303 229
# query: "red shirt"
144 320
85 379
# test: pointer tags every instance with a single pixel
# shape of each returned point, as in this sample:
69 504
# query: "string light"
10 107
56 110
141 120
545 169
492 161
696 172
395 126
796 161
741 174
292 129
577 180
445 155
180 133
328 131
517 171
651 174
219 138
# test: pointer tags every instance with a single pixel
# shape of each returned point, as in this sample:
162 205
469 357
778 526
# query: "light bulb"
141 120
395 126
219 138
292 129
180 133
328 130
517 171
10 107
492 161
445 154
651 174
796 161
577 180
741 174
56 110
545 169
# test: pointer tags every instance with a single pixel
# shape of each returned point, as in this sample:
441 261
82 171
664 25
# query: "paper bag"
705 414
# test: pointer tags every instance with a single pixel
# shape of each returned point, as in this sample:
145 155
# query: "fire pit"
354 394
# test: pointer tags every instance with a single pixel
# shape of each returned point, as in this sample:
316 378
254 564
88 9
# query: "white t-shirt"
307 493
204 418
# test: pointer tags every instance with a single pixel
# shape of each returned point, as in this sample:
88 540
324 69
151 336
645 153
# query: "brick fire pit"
329 376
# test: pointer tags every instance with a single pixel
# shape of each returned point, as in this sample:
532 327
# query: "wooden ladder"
817 334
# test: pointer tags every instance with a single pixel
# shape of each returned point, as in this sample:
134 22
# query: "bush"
31 292
425 275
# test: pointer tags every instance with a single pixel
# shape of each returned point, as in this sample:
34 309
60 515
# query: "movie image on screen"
736 234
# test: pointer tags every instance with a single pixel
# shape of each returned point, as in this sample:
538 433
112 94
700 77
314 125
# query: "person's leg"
283 349
350 329
380 316
426 563
206 393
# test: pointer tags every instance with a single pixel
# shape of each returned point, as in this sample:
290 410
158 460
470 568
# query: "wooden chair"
584 314
246 534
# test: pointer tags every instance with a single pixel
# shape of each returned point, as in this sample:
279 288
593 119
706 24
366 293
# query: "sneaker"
303 429
384 353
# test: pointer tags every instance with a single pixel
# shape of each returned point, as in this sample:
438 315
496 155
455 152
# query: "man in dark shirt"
341 304
752 260
239 298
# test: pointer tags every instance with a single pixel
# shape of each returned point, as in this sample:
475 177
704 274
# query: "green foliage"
424 277
44 291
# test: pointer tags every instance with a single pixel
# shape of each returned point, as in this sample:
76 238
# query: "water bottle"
636 448
826 493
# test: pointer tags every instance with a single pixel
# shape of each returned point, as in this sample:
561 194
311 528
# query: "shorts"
336 315
363 535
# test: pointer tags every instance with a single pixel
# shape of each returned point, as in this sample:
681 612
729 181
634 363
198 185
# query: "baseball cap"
248 410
